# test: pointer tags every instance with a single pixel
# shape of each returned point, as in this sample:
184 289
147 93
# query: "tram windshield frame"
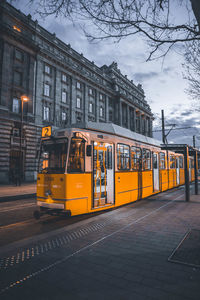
53 156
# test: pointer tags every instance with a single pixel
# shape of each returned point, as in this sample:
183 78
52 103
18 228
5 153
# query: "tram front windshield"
53 157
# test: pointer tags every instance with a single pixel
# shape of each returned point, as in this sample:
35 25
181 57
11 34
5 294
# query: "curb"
17 197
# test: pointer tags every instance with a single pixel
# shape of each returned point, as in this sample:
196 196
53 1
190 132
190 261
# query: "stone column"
120 113
134 120
128 116
140 122
106 109
97 107
85 104
72 111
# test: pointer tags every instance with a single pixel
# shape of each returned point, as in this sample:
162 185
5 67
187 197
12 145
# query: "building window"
90 107
101 112
19 55
78 85
64 77
46 89
100 96
18 78
64 97
63 116
46 113
110 115
90 92
16 105
78 102
47 69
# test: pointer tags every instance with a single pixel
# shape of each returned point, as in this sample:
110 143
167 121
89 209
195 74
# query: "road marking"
23 223
17 207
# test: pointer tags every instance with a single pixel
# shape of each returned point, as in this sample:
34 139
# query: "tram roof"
116 130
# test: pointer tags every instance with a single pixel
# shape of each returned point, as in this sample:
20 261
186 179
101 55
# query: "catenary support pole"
196 172
163 127
186 167
194 144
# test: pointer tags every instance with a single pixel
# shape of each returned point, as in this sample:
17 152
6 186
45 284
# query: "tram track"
125 214
103 229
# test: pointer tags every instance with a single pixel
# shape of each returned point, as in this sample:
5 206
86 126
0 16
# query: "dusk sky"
162 81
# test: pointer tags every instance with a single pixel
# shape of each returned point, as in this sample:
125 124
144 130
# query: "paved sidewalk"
12 192
121 254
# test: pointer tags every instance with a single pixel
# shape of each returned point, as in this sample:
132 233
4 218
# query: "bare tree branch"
155 20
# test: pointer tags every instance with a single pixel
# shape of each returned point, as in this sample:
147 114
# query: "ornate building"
63 88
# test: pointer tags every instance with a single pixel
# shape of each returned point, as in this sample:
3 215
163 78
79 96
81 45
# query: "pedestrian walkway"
127 253
12 192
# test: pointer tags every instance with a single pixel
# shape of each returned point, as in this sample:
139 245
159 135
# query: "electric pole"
163 127
194 144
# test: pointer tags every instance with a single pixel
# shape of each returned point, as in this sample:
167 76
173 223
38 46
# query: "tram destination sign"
46 131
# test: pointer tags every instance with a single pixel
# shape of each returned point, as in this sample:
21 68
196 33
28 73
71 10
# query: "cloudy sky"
162 81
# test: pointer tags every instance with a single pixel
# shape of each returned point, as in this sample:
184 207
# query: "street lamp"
23 98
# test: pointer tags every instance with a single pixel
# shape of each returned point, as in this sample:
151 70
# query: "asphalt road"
17 221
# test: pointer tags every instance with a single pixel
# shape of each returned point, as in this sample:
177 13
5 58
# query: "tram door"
177 171
155 172
103 174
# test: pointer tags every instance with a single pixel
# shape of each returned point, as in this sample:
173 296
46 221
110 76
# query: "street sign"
46 131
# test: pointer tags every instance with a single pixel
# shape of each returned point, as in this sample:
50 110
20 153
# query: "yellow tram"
84 170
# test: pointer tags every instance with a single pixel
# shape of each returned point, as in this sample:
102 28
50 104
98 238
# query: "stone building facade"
63 88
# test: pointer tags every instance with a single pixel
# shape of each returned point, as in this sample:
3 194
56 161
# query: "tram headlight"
47 193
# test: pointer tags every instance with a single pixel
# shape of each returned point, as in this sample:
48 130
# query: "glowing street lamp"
23 98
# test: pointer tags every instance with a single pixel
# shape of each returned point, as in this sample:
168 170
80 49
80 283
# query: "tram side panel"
181 169
147 173
126 180
126 187
163 173
78 193
172 170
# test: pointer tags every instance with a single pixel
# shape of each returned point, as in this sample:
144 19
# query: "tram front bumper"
51 205
51 208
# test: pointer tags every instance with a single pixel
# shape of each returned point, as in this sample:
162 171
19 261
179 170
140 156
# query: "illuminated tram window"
76 163
146 159
162 160
123 157
136 158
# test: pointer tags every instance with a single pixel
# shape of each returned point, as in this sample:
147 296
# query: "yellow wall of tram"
126 187
78 193
53 183
163 180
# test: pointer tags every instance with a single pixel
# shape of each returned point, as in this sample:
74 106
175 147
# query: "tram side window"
146 159
192 163
109 157
181 162
172 162
136 158
76 162
123 157
162 161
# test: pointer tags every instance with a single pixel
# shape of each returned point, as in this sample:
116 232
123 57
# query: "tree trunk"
196 10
